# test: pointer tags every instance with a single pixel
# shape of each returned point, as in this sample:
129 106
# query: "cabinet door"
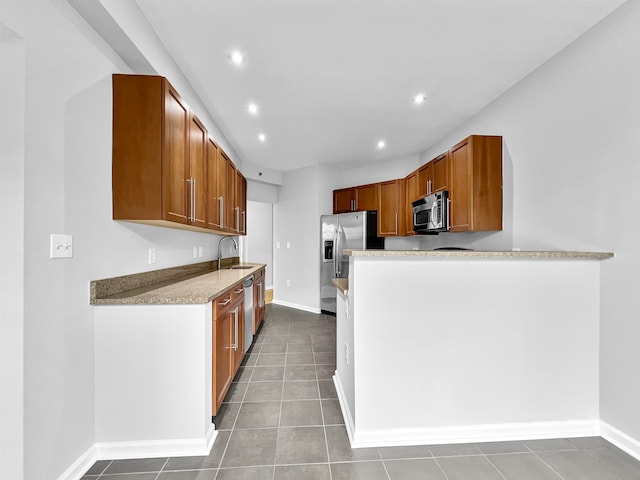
223 187
390 216
214 198
411 194
441 173
366 197
230 200
343 200
238 333
175 157
425 179
241 201
460 184
197 194
223 336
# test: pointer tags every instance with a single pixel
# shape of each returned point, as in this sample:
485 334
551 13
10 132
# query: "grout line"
492 464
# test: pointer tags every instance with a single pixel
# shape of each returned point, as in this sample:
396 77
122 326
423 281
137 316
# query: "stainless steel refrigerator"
352 231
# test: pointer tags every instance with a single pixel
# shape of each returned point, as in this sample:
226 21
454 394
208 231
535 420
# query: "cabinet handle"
239 290
448 214
396 230
235 314
353 205
244 222
226 302
193 199
221 198
237 219
188 180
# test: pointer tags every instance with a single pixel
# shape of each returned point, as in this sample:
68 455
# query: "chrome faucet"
235 244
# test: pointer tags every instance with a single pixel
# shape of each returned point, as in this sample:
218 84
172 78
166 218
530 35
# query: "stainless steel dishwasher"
248 313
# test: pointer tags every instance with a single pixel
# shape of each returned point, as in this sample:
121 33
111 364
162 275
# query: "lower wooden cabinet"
228 341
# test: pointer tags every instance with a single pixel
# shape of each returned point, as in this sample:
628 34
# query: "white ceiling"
332 77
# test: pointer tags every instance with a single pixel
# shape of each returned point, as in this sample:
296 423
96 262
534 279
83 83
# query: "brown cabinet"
391 211
259 304
228 343
411 194
475 184
241 203
440 178
355 199
165 169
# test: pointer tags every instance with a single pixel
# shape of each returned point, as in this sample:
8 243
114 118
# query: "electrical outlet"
288 283
288 244
195 252
346 353
277 244
200 252
152 256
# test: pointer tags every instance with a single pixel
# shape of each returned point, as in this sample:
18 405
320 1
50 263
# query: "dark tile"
299 348
195 463
324 347
300 372
416 451
577 465
236 392
325 358
98 467
623 465
590 442
258 415
550 444
454 450
414 469
250 359
274 348
327 389
226 416
300 472
272 338
248 448
340 450
264 392
325 372
300 413
266 374
522 466
129 476
490 448
358 471
243 375
300 339
268 359
468 468
301 390
187 475
246 473
300 358
137 465
331 412
301 445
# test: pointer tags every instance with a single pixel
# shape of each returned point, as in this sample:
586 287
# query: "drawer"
237 292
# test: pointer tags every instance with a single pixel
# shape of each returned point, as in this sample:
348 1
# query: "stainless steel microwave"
431 213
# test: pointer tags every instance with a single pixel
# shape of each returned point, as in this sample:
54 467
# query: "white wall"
570 133
258 243
12 98
66 105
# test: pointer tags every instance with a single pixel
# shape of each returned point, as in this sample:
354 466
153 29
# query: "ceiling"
333 77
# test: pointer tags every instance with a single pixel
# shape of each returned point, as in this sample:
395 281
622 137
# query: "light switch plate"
60 246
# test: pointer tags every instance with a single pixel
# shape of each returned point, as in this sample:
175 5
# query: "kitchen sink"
239 267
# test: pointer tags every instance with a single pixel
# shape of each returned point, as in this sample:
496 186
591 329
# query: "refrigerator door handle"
335 249
337 252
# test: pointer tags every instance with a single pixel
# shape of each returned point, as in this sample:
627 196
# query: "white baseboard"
157 448
81 465
344 407
475 433
620 439
296 306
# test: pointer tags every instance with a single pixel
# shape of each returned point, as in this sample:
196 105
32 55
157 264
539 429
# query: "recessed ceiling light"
252 108
262 137
419 99
236 57
381 144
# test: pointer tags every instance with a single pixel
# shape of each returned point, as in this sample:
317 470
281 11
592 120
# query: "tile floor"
281 421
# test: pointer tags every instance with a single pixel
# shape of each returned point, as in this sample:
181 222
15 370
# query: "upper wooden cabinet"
165 169
434 176
391 210
356 199
411 194
475 184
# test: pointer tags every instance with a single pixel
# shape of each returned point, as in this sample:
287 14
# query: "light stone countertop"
341 284
199 289
524 254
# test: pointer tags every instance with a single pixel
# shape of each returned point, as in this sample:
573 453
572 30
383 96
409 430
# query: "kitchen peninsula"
466 346
160 351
